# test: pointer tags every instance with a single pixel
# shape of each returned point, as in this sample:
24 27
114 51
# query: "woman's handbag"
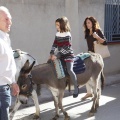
101 49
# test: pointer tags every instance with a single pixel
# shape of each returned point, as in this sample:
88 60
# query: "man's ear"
30 67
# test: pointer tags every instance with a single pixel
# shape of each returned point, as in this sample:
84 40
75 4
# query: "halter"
17 54
29 93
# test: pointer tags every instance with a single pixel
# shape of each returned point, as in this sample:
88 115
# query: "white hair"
5 10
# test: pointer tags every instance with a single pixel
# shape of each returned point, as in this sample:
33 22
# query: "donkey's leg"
61 94
17 105
95 98
99 93
93 109
55 93
38 89
97 102
99 88
56 107
89 90
35 99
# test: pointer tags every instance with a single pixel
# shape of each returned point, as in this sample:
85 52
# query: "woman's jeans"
5 102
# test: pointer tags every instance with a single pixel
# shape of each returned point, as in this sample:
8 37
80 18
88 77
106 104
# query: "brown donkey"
45 74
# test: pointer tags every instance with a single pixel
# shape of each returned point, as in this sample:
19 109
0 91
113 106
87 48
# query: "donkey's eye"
24 86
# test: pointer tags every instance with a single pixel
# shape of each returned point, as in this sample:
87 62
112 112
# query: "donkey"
45 74
20 59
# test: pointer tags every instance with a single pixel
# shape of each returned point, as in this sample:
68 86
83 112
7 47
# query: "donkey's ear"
26 65
30 67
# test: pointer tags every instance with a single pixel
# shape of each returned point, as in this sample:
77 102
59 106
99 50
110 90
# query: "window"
112 21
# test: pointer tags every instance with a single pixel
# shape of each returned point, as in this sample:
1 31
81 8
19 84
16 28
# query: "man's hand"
15 89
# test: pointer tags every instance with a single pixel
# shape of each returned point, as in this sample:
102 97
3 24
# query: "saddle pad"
59 69
79 65
16 54
83 56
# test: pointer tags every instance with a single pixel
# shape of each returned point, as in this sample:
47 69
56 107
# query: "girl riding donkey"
63 43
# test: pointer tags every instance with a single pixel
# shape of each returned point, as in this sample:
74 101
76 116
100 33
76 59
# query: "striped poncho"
63 43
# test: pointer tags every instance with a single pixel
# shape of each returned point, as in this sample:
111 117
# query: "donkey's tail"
102 80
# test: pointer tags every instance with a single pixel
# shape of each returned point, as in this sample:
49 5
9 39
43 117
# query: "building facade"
33 28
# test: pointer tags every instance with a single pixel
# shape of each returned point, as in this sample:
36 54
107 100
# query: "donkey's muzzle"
23 99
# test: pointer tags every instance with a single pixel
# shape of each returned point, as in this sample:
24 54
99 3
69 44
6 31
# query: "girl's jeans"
72 75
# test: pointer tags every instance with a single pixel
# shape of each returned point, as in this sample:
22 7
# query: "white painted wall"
33 28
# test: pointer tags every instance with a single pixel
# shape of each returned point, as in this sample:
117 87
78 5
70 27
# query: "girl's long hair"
64 24
95 26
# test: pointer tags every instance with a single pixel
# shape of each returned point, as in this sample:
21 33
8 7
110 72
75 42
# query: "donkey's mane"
40 65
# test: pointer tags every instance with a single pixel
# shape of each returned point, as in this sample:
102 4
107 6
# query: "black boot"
76 94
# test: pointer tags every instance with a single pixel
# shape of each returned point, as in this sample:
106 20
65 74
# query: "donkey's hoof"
56 117
11 116
96 111
83 99
97 106
91 114
35 116
67 118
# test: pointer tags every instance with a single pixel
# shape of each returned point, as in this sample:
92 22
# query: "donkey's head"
25 82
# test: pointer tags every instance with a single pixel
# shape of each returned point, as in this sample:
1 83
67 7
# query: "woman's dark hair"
64 24
95 26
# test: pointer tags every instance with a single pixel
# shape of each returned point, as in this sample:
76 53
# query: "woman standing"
92 33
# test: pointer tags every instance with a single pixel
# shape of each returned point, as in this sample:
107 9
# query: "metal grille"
112 20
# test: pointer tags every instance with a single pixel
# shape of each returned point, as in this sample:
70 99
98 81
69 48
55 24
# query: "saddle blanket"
17 53
79 65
